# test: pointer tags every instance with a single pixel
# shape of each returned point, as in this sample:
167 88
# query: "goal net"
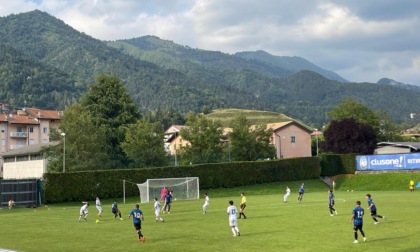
182 188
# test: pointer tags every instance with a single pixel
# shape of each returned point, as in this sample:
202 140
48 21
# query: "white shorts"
99 208
157 213
83 212
233 222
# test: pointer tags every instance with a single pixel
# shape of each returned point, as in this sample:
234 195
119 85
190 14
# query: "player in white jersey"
206 202
156 207
286 195
99 206
84 210
233 221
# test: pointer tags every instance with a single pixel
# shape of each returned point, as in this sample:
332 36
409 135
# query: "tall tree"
113 109
84 143
204 138
144 145
388 130
349 136
352 109
247 143
167 117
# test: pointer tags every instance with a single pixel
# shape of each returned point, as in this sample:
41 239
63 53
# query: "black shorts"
137 226
243 206
358 227
372 213
301 193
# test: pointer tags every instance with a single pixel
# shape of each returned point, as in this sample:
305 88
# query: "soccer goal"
182 188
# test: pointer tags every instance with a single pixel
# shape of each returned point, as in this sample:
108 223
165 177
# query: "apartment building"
26 126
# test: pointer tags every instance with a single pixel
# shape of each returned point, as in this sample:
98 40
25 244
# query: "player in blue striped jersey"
357 219
137 218
331 203
373 209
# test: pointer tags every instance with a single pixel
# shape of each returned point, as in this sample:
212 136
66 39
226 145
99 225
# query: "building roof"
412 145
3 117
27 150
43 114
21 119
280 125
175 128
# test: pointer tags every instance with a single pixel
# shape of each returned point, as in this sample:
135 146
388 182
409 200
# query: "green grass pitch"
271 224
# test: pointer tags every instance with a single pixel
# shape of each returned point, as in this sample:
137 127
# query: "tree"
144 144
84 143
249 144
113 109
204 138
166 117
349 136
351 109
388 130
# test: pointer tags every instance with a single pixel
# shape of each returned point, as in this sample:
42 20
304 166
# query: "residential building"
291 139
26 126
173 140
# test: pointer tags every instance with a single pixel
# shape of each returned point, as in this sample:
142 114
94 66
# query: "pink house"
291 139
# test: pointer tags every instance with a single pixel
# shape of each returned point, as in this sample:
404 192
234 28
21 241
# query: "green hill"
226 116
160 74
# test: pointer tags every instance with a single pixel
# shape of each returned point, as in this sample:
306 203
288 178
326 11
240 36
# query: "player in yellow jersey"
411 185
242 206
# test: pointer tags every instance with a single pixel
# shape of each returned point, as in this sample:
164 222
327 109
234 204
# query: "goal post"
182 188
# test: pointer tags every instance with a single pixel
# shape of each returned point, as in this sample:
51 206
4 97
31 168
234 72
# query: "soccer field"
271 225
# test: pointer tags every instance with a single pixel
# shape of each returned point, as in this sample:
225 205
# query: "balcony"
19 134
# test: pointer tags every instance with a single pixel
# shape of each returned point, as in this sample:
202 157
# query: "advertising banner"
388 162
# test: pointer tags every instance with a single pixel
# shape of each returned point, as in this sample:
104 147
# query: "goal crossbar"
181 188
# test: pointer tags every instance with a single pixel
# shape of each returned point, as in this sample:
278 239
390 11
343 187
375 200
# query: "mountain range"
48 64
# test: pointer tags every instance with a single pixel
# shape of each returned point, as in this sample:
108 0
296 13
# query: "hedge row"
334 164
79 186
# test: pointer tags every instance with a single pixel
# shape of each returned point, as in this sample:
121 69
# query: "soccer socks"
355 235
234 231
375 219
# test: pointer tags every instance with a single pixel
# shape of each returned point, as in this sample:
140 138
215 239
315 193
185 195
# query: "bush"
334 164
77 186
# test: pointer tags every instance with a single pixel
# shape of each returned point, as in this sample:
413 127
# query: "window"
36 157
19 129
22 158
9 159
31 129
44 141
3 141
31 141
3 129
293 139
45 130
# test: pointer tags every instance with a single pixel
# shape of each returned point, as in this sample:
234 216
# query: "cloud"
361 40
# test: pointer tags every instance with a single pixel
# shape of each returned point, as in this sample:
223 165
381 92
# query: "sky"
362 40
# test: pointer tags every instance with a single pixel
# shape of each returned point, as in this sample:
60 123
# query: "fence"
25 193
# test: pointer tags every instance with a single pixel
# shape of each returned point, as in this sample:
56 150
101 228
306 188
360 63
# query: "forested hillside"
82 57
46 63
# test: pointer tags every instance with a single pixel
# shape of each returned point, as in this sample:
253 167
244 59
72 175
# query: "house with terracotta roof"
26 126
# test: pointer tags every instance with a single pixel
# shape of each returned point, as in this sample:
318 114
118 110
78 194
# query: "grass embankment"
376 182
226 116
